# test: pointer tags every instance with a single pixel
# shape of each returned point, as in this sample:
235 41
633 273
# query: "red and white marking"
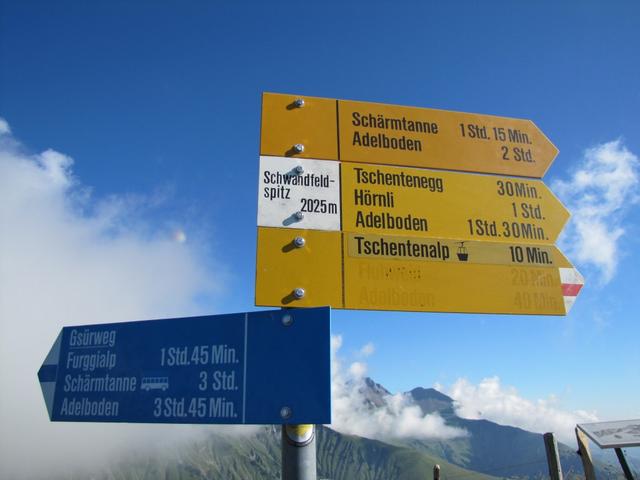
571 282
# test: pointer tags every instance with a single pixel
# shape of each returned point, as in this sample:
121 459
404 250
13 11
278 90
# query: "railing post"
553 459
623 463
585 455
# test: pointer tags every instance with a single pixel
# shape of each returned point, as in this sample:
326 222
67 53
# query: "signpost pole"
299 452
298 449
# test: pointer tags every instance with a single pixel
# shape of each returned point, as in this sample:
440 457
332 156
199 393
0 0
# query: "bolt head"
299 169
299 102
287 320
299 293
298 147
299 242
285 413
299 215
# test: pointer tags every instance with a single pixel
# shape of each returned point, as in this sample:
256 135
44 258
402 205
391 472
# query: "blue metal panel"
221 369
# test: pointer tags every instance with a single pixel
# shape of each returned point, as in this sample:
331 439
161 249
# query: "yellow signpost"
386 272
431 203
409 285
375 232
389 226
424 137
310 127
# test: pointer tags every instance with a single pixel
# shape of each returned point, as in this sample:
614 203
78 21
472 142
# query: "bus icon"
154 383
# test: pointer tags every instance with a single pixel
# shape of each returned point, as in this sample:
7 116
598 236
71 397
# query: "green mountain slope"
489 451
343 457
495 449
340 457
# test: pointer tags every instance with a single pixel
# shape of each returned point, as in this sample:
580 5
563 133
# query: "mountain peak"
376 387
431 400
420 393
374 393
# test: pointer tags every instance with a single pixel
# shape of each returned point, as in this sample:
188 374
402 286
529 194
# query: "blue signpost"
269 367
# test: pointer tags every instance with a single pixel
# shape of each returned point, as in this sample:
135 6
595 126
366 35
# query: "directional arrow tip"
48 373
571 281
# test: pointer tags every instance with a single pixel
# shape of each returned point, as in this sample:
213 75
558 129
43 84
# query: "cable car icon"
463 254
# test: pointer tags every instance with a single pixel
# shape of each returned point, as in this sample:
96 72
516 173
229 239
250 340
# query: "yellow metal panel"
429 286
312 125
431 203
416 239
423 137
316 267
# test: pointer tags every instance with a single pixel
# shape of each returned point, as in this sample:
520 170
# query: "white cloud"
367 350
358 369
68 259
599 194
357 411
4 127
490 400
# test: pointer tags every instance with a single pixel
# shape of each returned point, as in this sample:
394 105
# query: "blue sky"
158 105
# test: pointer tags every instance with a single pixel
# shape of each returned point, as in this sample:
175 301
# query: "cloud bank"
490 400
67 259
599 194
357 411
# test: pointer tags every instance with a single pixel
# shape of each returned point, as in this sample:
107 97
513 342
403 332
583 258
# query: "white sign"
623 433
295 193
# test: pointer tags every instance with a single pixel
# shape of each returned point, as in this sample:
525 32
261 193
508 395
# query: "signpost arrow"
325 195
364 132
431 203
387 272
265 367
425 137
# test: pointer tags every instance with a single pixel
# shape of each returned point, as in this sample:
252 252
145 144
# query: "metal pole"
623 463
553 459
299 452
